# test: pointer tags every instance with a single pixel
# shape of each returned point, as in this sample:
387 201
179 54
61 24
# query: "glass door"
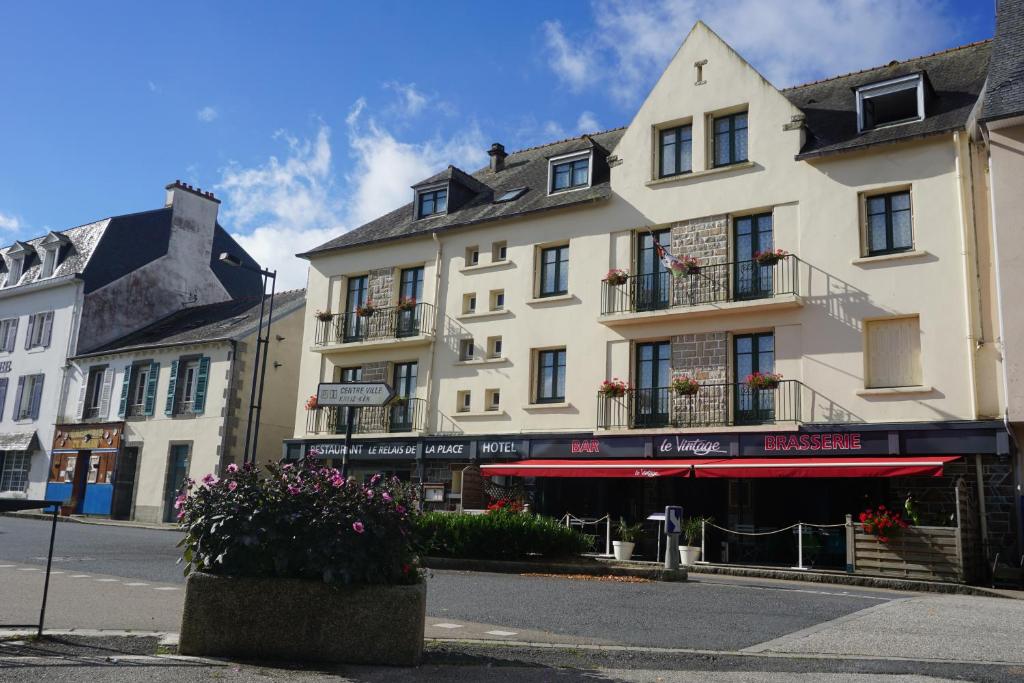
653 374
405 388
653 282
752 234
355 327
177 470
753 353
410 288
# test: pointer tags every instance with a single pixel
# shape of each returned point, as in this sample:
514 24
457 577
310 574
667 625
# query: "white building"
72 291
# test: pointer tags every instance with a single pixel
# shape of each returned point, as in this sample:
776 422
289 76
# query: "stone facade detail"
706 238
376 372
705 356
380 283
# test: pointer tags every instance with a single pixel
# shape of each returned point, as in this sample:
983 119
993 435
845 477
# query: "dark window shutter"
12 334
126 385
29 331
37 396
3 395
47 328
154 376
172 387
17 398
204 374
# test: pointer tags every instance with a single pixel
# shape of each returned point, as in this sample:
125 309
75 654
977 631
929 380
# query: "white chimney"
193 219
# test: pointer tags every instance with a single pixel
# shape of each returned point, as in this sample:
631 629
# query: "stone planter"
303 621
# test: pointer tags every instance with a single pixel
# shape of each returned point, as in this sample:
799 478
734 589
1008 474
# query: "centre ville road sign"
354 394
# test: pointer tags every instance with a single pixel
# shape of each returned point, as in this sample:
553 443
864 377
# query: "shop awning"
629 469
903 466
18 441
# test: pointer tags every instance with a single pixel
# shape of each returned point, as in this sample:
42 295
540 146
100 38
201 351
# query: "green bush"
497 535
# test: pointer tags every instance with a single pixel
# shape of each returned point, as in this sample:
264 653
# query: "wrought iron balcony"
714 405
408 415
384 324
711 284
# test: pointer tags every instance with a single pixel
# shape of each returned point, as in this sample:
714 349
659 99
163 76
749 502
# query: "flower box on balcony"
406 304
763 380
323 316
616 277
691 265
366 310
769 257
684 385
613 388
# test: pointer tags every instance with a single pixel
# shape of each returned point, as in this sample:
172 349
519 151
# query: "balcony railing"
712 284
714 405
409 415
385 323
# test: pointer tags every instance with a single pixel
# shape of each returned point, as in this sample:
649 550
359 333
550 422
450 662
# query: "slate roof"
526 168
830 106
213 322
73 256
1004 92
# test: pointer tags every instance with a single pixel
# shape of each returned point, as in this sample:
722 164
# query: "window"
431 202
14 271
94 392
8 331
186 392
14 476
469 303
355 296
899 100
570 174
465 401
190 377
28 397
730 141
497 299
554 270
551 376
467 349
492 401
888 219
676 151
140 398
472 256
49 260
494 347
508 196
40 327
499 252
893 352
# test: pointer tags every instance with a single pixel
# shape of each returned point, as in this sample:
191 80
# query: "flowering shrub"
882 523
323 316
684 385
613 388
406 303
691 264
301 521
769 257
763 380
312 403
509 504
366 310
616 277
500 534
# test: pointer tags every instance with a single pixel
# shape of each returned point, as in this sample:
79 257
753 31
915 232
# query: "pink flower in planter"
386 496
181 513
374 479
400 509
293 489
358 527
337 482
210 480
232 468
179 502
369 493
232 485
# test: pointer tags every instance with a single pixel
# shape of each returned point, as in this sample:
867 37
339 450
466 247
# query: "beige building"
488 303
172 401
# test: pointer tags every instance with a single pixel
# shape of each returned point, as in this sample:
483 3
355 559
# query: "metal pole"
799 546
607 533
703 524
349 418
255 372
263 360
49 563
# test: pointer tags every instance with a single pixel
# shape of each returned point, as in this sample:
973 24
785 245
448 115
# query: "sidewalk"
86 519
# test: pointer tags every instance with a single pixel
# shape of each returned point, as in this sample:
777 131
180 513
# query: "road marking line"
79 576
137 583
5 566
447 625
502 633
166 588
108 580
28 569
57 571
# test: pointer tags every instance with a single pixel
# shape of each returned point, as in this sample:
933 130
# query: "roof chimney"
497 154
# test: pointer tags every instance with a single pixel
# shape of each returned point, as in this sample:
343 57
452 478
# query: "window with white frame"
40 327
467 350
499 252
497 299
898 100
94 392
494 347
14 270
28 397
465 401
49 261
892 349
569 172
492 400
8 332
14 475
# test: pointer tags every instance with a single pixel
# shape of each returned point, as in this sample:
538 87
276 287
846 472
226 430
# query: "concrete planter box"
303 621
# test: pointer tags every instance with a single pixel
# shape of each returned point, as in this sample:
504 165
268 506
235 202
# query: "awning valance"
18 441
729 468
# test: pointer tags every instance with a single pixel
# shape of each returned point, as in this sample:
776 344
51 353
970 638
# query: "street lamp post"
259 366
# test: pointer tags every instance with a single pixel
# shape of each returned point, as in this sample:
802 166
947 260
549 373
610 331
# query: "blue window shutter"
31 330
154 375
126 384
47 328
3 395
37 396
171 389
204 374
16 415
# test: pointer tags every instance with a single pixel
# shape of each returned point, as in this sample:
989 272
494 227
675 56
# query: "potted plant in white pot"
693 528
629 534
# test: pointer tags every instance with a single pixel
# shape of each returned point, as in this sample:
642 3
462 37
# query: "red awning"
905 466
638 469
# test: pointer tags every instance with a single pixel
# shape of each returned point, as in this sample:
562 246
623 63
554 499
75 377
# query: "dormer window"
570 172
432 202
899 100
14 270
49 261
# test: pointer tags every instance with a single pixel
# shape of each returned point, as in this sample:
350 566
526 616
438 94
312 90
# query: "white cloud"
587 123
207 114
283 207
794 40
572 64
410 100
10 222
153 87
553 131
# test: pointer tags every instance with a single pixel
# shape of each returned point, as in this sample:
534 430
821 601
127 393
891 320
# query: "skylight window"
515 193
900 100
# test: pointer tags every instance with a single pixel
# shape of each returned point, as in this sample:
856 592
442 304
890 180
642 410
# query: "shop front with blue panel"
82 467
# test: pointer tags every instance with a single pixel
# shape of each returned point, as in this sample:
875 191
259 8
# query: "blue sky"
310 118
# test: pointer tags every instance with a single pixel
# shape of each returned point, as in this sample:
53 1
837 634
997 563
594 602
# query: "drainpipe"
232 386
967 216
437 325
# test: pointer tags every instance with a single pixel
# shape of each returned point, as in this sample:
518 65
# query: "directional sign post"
353 395
673 527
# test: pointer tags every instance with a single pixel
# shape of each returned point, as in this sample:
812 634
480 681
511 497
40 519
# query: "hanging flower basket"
616 277
312 403
882 523
323 316
684 385
613 388
763 380
769 257
691 265
406 303
366 310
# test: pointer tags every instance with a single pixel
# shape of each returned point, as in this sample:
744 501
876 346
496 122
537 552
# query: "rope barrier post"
703 527
608 533
799 546
849 544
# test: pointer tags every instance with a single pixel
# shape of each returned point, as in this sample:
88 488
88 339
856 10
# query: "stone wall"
703 356
381 283
376 372
706 238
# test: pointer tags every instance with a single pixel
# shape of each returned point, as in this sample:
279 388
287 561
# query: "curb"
93 522
591 568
